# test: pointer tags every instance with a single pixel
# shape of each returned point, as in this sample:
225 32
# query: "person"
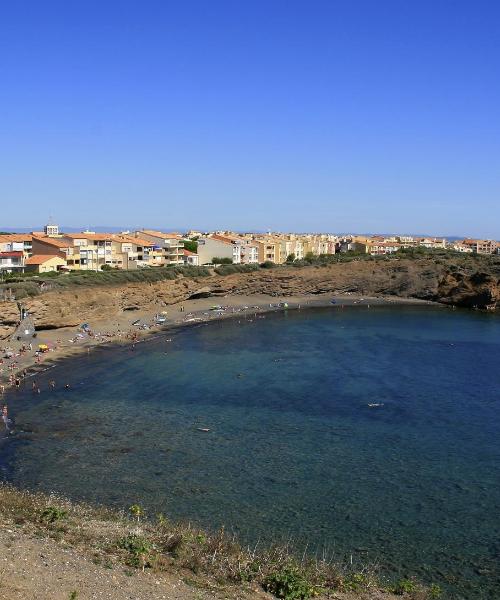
5 417
52 384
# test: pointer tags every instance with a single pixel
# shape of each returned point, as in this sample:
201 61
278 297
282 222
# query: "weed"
435 591
404 586
355 582
289 583
137 511
140 550
73 595
51 514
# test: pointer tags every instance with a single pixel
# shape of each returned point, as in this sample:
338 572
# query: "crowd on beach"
21 359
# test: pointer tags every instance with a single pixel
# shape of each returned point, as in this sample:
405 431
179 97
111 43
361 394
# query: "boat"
375 404
205 429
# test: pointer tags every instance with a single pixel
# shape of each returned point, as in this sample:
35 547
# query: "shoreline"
118 331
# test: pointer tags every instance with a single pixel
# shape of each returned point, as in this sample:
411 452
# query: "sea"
367 435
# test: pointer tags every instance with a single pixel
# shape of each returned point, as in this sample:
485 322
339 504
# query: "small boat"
375 404
136 322
205 429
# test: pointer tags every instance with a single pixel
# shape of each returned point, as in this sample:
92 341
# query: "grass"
207 559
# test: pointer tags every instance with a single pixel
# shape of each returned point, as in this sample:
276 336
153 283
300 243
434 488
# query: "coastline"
68 342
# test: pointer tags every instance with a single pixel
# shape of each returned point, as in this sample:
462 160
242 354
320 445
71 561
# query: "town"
52 250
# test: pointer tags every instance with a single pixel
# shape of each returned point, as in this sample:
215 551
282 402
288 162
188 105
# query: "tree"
191 245
290 258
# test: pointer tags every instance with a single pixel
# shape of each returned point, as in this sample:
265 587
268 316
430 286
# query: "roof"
39 259
160 234
189 253
14 254
16 237
89 236
133 240
58 242
222 238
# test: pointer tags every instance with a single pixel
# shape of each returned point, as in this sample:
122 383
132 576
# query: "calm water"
294 449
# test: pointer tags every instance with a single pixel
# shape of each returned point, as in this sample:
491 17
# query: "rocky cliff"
461 282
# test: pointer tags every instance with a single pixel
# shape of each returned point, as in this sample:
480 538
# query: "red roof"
14 254
39 259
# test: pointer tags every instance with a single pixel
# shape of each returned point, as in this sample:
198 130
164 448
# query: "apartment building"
16 242
217 246
11 261
481 246
170 244
138 252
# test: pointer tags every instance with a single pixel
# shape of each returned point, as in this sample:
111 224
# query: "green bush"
289 583
404 586
222 261
268 264
230 269
51 514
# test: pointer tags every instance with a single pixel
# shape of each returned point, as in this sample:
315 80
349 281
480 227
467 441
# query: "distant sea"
294 450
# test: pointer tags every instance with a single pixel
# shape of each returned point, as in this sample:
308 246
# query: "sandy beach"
133 327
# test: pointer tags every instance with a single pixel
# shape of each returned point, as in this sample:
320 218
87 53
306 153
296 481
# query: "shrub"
268 264
51 514
222 261
404 586
140 550
289 583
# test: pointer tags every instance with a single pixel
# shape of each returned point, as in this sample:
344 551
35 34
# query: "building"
191 258
16 242
481 246
45 263
51 230
11 261
270 250
215 247
170 244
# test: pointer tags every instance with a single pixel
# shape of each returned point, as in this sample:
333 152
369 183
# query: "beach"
65 342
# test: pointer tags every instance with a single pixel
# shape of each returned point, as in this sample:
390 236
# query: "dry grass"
211 559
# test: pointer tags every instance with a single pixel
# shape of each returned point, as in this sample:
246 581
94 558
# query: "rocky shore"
450 281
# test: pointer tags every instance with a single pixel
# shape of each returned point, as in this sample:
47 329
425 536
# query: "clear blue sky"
376 115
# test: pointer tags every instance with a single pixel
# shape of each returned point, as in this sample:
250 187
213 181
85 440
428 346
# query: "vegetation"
268 264
231 269
112 538
191 245
23 285
222 261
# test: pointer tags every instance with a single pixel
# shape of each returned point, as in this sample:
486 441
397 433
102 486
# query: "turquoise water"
294 450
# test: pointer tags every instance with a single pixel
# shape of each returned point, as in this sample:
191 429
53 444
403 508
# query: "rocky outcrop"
461 282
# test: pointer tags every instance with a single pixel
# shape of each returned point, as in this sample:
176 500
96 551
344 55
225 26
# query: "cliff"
461 281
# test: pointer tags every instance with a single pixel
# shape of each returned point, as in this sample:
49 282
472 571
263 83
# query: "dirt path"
42 569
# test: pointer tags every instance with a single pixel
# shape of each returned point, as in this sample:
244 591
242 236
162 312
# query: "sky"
312 115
